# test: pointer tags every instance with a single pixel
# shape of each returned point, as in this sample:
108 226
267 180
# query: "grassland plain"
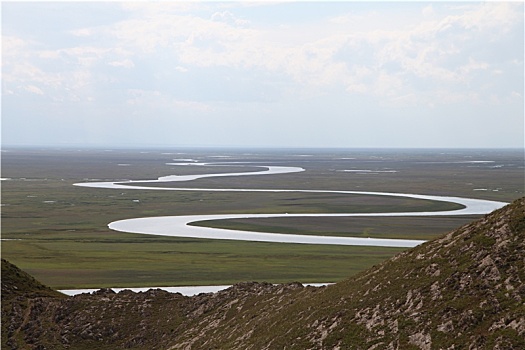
58 232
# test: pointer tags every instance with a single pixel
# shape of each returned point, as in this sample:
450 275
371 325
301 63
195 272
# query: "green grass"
127 260
423 228
66 243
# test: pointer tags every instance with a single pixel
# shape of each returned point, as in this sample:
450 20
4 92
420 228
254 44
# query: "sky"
263 74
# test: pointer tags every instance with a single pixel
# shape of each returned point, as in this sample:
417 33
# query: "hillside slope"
464 290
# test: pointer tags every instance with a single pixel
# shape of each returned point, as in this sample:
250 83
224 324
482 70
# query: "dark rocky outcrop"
464 290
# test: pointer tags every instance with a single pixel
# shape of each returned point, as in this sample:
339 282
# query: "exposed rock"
421 340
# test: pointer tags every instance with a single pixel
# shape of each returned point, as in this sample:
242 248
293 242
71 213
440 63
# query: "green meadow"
58 232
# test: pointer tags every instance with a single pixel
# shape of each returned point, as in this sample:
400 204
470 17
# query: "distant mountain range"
464 290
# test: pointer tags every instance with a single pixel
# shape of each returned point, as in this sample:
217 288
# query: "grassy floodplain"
58 232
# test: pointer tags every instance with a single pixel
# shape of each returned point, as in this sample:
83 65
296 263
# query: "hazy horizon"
233 148
415 75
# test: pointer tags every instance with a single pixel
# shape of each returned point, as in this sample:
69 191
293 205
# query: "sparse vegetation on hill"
463 290
17 283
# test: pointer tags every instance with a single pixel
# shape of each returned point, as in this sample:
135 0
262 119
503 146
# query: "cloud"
361 52
176 60
12 45
82 32
228 17
489 16
35 90
151 100
126 63
428 11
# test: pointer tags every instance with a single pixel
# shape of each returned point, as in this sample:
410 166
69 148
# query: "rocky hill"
464 290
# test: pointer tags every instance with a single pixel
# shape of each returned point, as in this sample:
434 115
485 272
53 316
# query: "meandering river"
179 226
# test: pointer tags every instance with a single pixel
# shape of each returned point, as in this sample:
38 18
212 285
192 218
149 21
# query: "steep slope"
16 282
19 291
464 290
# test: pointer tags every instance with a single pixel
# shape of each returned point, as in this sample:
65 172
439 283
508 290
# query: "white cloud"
126 63
228 17
428 11
82 32
12 45
421 49
307 54
151 100
34 89
472 66
431 55
153 9
492 15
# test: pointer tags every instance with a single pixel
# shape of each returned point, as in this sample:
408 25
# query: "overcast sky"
301 74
